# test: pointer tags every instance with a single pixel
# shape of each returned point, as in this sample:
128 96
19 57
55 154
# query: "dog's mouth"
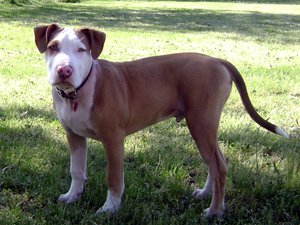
65 87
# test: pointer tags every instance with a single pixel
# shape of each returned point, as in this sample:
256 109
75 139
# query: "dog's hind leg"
204 131
206 190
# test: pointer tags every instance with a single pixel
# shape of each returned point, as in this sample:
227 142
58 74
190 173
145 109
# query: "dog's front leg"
114 150
78 152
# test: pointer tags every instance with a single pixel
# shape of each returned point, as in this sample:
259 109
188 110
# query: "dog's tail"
241 86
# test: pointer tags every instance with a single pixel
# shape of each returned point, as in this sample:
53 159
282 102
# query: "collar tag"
74 106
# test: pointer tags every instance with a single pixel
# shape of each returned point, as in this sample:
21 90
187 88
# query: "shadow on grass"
257 25
35 165
269 196
34 170
26 111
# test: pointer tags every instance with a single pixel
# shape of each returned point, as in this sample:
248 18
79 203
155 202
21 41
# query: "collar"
73 94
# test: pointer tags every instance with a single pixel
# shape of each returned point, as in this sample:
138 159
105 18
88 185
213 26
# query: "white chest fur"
74 115
73 119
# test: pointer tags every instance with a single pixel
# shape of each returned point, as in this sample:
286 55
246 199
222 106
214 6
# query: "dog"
107 101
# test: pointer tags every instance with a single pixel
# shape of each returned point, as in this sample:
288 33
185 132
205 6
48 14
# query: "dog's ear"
96 41
42 35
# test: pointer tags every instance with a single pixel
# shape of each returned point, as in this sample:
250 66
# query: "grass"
161 162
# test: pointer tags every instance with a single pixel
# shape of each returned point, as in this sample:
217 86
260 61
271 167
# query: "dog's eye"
81 50
53 48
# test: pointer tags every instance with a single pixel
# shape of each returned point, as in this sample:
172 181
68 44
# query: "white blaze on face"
67 49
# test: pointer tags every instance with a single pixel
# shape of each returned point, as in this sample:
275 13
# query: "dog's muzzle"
72 93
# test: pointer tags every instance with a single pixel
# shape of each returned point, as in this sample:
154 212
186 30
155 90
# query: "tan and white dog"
107 101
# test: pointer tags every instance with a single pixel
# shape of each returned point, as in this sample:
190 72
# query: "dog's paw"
69 197
209 213
105 209
111 205
200 193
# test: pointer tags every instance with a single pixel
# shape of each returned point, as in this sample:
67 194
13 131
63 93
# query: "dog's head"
68 53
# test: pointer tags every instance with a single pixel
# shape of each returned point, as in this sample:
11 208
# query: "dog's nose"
64 71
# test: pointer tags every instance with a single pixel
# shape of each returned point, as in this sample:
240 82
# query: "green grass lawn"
162 165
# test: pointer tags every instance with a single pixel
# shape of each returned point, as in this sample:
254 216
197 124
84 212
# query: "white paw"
74 193
200 193
111 205
105 209
209 213
69 197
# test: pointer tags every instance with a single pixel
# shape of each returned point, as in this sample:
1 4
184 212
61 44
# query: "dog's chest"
75 116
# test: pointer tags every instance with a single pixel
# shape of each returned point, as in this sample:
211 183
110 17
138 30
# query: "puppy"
107 101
